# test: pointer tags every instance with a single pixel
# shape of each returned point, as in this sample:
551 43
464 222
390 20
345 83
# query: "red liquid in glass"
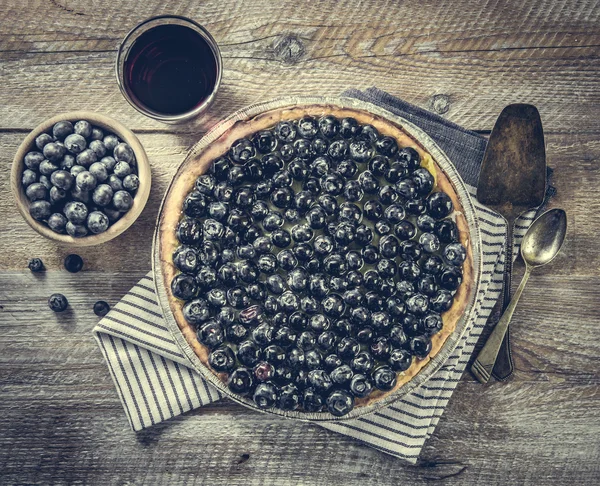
170 70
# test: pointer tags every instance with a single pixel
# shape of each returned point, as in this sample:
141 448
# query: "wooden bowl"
108 124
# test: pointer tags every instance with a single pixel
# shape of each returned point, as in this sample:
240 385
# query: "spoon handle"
483 365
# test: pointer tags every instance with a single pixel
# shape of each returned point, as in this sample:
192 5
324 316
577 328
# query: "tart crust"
197 165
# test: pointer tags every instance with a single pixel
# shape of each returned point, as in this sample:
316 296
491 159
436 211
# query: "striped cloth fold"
156 382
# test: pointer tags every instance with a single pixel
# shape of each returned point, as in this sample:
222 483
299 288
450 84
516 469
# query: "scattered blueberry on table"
36 265
73 263
58 302
316 259
101 308
79 179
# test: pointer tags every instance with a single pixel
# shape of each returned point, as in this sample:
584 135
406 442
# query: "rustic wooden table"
60 418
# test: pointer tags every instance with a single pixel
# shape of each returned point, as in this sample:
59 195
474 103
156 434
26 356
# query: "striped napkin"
156 382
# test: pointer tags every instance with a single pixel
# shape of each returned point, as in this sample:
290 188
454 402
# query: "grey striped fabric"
155 381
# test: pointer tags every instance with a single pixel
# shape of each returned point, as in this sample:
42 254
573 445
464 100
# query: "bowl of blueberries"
81 178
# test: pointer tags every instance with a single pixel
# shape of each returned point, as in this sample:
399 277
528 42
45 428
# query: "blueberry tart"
315 258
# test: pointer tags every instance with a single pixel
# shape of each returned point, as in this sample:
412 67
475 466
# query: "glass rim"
129 40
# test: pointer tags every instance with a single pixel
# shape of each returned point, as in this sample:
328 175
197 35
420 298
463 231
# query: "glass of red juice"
169 68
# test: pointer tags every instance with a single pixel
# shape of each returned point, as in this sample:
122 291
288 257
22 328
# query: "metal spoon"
540 245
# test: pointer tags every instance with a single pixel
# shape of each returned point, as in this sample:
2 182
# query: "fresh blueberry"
240 381
61 129
363 362
97 134
76 212
110 141
36 192
83 128
439 205
446 230
429 242
368 182
312 400
420 346
54 152
308 127
76 230
58 302
86 158
361 386
384 378
340 403
98 147
124 153
57 223
400 360
266 395
36 265
101 308
29 177
123 201
97 222
184 287
42 140
450 278
285 131
75 143
47 168
405 230
222 359
130 182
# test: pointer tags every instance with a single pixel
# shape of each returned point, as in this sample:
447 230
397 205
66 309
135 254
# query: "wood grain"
479 55
60 418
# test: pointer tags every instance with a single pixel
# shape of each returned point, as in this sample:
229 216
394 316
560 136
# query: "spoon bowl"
544 238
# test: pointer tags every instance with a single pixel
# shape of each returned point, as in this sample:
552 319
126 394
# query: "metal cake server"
540 245
512 180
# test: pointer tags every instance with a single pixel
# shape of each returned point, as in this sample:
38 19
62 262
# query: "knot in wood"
288 49
440 103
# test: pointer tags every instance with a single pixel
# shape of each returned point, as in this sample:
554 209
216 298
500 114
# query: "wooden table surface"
60 418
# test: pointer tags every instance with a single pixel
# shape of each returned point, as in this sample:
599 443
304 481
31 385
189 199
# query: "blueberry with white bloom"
40 210
115 183
86 181
76 230
36 192
109 162
131 182
33 160
76 212
57 223
28 178
97 222
97 146
54 151
47 168
111 141
124 153
122 201
75 143
83 128
99 171
87 157
102 195
62 179
62 129
122 169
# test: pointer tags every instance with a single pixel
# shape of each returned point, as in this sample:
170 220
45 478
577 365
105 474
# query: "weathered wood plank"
534 53
575 158
61 418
